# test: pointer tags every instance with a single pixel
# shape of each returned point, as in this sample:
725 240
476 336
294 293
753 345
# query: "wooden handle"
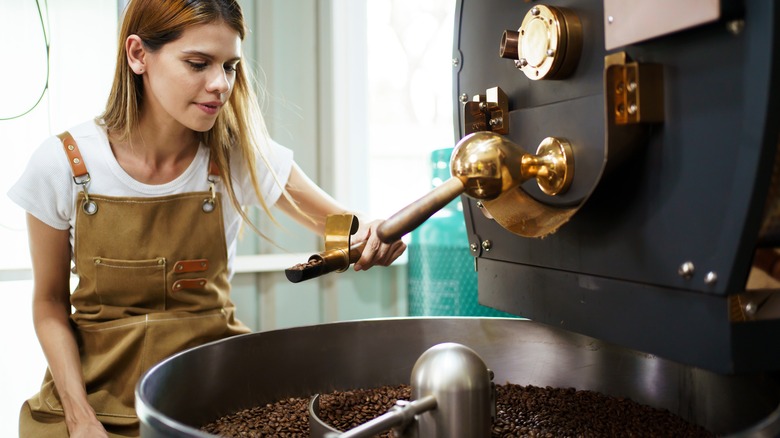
414 214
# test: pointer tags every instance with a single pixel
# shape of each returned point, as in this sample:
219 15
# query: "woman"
146 204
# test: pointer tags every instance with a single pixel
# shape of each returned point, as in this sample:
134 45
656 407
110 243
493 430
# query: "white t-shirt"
47 191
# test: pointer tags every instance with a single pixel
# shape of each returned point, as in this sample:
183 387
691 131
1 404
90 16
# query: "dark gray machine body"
693 189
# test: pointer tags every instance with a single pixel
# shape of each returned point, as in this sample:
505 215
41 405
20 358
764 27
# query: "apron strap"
77 165
79 170
213 168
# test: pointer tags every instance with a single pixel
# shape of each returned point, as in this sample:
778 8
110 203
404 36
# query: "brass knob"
483 166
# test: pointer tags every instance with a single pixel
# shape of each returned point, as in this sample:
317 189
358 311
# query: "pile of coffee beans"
521 411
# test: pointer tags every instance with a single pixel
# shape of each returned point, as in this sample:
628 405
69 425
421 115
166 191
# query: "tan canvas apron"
152 282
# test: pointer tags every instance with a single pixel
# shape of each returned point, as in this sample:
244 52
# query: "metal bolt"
711 278
464 98
496 121
735 27
534 11
610 19
686 270
522 62
487 245
632 109
631 86
455 62
550 52
750 308
473 247
480 204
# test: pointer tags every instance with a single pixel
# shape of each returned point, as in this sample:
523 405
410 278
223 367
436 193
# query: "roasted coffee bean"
521 411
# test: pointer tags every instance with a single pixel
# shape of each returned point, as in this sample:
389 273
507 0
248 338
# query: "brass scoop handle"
414 214
485 165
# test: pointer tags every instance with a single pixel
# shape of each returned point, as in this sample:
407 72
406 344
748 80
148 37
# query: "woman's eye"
231 67
197 65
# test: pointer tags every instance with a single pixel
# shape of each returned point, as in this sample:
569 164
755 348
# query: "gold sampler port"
485 165
547 45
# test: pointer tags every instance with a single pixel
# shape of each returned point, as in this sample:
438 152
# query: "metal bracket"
635 92
487 112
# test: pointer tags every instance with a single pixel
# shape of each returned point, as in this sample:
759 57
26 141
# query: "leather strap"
189 283
213 168
184 266
77 165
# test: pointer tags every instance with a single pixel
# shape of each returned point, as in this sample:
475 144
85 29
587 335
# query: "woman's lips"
209 108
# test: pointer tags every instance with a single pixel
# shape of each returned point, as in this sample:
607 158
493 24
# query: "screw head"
686 270
455 62
487 245
534 11
735 27
711 278
464 98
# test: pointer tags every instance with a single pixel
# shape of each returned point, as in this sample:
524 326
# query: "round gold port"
548 43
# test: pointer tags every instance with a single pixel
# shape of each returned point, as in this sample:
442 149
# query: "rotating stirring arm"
399 417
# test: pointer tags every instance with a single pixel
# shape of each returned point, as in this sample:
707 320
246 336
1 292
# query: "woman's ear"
136 54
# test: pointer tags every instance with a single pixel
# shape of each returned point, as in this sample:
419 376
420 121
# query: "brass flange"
547 45
553 165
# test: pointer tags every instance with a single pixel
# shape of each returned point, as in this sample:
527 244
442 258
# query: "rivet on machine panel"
464 98
735 27
487 245
686 270
711 278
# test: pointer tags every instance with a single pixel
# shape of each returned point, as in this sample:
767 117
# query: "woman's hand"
376 252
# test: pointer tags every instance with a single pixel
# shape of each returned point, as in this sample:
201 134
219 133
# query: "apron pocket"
134 284
111 364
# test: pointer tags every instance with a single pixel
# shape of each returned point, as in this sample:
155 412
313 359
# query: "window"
409 97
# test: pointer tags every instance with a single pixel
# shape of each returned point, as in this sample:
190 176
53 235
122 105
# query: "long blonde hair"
239 124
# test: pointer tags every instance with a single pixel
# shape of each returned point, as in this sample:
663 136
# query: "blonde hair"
239 124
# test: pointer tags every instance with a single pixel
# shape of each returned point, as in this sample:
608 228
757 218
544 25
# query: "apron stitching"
146 321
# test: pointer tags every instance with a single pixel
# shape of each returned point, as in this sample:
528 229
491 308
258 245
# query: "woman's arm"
50 251
314 206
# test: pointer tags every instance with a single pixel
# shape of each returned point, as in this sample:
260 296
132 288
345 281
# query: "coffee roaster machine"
619 170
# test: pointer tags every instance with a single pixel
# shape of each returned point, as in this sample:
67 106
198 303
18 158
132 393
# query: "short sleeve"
45 188
274 166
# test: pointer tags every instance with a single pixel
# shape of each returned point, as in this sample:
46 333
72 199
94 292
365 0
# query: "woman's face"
188 80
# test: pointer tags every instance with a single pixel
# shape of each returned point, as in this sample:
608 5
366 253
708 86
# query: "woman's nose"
219 82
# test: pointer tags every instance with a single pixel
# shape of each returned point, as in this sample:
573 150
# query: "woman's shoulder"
86 135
